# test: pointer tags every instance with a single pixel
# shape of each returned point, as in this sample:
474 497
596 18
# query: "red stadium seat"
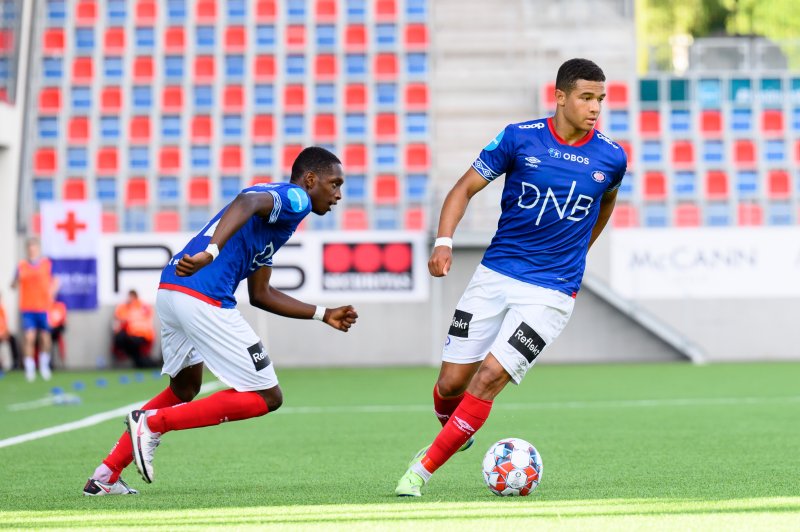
549 95
797 151
325 11
264 67
146 12
202 129
650 123
82 70
78 130
750 214
114 41
263 128
295 37
325 68
617 95
111 100
265 11
625 215
416 97
235 39
355 97
107 161
683 153
416 37
143 70
290 153
772 122
233 99
45 161
169 160
260 179
109 222
231 158
355 38
655 186
417 157
627 147
711 123
74 189
204 68
717 187
355 220
86 13
36 223
387 190
779 185
175 40
206 11
139 130
172 99
137 192
385 10
385 68
355 158
325 128
167 222
50 100
53 41
386 126
744 152
294 98
414 219
200 191
687 215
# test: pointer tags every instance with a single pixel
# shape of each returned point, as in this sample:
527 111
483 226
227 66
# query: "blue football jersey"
550 202
250 248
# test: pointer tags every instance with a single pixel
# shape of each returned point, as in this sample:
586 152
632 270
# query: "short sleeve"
616 181
290 204
497 158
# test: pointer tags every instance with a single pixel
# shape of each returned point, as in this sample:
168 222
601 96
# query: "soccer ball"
512 467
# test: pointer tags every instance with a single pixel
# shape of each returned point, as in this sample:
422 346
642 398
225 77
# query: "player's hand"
192 264
341 318
440 261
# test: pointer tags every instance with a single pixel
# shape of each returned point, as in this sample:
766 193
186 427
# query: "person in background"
57 319
133 330
7 361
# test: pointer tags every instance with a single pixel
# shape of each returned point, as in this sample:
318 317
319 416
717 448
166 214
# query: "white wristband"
213 250
443 241
319 314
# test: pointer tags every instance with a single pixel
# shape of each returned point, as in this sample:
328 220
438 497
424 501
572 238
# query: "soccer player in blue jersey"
200 326
561 181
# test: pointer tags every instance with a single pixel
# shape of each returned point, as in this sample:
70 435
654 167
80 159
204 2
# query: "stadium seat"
199 191
744 152
325 68
235 39
231 159
49 101
202 129
687 215
355 219
206 11
625 215
290 153
295 37
617 95
86 13
355 38
45 161
417 158
111 100
263 128
264 68
772 122
683 153
779 186
294 98
107 161
146 12
414 219
139 130
416 37
114 41
172 99
167 222
650 122
655 186
265 11
204 69
325 128
711 123
74 189
750 214
627 147
78 130
717 187
260 179
387 190
355 97
109 222
416 97
137 192
36 223
779 213
386 127
233 99
549 95
143 70
175 40
385 10
355 158
82 71
797 151
53 41
385 67
169 160
325 11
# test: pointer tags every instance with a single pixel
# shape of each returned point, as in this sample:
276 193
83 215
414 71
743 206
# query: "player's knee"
273 397
185 391
449 387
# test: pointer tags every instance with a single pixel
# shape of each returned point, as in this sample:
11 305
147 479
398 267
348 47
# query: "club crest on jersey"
533 162
554 153
598 176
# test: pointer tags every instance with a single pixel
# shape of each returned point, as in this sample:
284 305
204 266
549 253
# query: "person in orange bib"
133 330
6 362
37 286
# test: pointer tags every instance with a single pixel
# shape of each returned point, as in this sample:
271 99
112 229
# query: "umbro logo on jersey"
533 162
259 355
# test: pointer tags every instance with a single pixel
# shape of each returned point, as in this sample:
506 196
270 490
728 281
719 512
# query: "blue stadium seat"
684 184
326 37
416 124
356 10
325 95
294 125
43 189
652 151
386 155
355 125
116 11
263 157
171 127
48 127
229 187
168 190
139 158
747 184
416 10
779 213
680 121
109 127
655 215
106 190
713 151
355 188
717 214
200 157
619 121
386 217
135 220
416 187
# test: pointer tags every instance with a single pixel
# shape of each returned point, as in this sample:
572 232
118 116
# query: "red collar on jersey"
586 138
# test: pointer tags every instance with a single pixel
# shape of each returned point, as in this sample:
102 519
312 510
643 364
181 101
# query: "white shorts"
513 320
193 331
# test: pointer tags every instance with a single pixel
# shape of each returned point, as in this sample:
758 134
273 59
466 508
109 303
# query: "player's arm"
241 209
453 209
607 203
265 297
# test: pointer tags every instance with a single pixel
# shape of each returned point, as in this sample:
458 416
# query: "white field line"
377 409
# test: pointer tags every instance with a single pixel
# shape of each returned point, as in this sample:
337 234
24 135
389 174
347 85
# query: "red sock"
122 453
227 405
442 407
470 416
